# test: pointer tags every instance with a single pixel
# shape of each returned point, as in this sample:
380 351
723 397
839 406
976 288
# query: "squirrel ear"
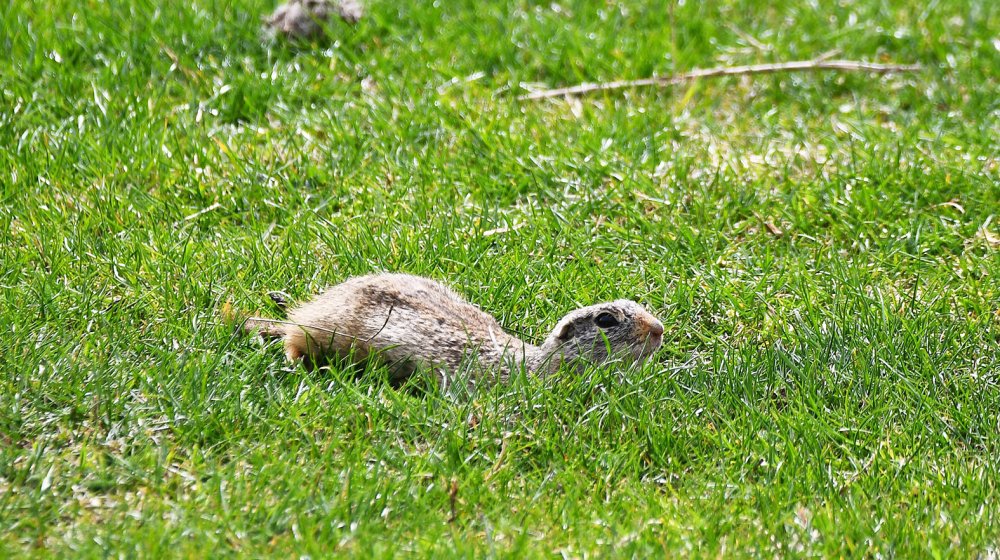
565 331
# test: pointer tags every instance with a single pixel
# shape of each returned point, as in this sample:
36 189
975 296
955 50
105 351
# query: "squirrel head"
620 329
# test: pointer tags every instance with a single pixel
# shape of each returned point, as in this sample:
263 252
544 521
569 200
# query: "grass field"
822 249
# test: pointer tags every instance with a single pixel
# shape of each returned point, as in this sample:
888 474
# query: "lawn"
822 248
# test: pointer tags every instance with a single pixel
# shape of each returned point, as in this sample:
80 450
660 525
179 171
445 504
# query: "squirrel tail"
267 328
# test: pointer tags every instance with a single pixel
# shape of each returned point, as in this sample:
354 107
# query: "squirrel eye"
605 321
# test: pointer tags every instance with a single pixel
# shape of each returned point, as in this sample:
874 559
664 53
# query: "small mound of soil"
307 19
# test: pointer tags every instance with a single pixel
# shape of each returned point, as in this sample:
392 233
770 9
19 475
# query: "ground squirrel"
409 322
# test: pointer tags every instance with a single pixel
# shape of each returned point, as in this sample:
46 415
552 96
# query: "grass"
832 390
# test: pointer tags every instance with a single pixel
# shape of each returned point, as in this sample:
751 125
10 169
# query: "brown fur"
409 322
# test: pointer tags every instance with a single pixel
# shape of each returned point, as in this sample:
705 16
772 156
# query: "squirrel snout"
650 326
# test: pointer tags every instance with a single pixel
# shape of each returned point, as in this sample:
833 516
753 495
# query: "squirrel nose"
656 329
